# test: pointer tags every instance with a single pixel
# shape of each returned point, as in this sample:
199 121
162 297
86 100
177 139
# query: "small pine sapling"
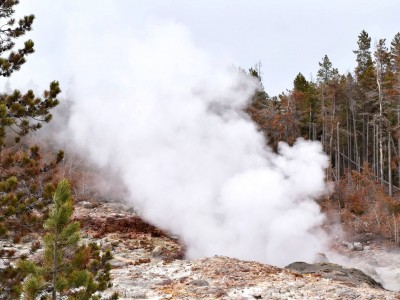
67 268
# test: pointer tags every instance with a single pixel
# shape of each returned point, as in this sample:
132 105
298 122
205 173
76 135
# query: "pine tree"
23 113
25 179
8 33
325 77
366 85
20 113
326 72
303 93
365 66
395 53
380 116
300 83
67 268
395 65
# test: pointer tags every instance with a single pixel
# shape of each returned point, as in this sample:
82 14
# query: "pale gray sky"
286 36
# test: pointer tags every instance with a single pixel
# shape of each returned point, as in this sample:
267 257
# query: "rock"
200 282
165 282
106 246
89 205
350 246
116 263
157 251
28 239
6 263
352 276
321 257
347 294
138 295
141 261
358 246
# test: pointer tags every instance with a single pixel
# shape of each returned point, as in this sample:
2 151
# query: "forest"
356 117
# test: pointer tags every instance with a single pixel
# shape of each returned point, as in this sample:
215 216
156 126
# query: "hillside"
148 264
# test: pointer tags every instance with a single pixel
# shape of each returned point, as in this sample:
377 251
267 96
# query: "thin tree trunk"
398 138
380 99
310 124
55 266
323 122
348 135
332 129
367 154
395 229
362 152
337 152
356 151
389 165
374 169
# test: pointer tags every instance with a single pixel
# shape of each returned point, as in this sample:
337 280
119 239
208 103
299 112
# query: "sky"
287 37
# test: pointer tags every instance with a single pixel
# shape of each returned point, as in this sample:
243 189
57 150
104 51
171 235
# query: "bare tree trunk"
337 152
395 229
348 136
389 165
323 136
380 156
55 266
398 138
356 153
374 168
332 129
367 153
363 136
310 124
380 134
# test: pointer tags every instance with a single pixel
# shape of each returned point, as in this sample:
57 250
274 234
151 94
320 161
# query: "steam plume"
169 118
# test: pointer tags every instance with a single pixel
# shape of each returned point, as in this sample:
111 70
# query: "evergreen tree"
326 72
67 268
25 181
395 63
384 68
20 113
326 77
303 93
395 66
395 52
365 66
260 97
366 89
300 83
11 60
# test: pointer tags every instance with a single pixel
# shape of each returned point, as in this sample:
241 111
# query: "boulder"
349 276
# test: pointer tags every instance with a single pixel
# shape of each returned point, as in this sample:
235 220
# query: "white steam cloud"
169 118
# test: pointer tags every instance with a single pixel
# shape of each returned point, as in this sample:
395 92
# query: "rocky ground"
148 264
